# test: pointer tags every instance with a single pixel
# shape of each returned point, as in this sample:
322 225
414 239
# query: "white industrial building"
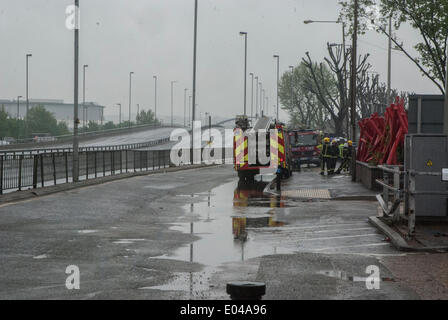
60 110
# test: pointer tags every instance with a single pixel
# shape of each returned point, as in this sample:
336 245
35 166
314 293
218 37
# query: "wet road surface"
184 235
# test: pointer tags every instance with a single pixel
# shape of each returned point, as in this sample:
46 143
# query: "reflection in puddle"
240 224
252 195
224 225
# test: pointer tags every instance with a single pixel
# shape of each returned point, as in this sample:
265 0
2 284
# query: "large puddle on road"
223 219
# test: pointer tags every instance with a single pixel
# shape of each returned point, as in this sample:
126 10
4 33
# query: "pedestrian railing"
95 133
393 190
129 146
399 188
25 171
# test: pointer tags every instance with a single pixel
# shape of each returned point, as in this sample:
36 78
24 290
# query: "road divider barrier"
34 170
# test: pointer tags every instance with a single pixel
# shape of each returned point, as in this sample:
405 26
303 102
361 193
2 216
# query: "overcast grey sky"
154 37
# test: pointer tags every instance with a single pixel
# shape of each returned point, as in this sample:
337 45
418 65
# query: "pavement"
185 234
310 184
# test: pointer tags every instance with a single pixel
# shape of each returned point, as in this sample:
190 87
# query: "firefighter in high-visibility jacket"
334 152
326 156
347 157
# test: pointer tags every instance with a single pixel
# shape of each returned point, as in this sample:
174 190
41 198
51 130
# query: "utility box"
425 114
425 157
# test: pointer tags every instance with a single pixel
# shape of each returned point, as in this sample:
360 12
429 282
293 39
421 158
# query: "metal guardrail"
45 169
128 146
394 175
402 191
93 133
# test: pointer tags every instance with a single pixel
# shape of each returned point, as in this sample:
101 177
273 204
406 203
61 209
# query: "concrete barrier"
367 174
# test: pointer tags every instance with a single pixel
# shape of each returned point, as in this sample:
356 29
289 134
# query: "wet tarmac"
223 226
185 235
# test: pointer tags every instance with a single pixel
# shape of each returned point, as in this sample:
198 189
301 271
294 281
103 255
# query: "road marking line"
313 226
356 246
338 237
339 230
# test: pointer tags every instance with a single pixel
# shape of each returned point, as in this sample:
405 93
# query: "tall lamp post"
278 77
245 68
292 84
189 110
172 84
18 116
119 115
445 122
27 98
353 85
84 115
18 107
155 97
130 96
256 97
185 106
252 96
263 102
75 161
194 76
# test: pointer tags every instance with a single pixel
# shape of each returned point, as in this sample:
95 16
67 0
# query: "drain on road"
308 193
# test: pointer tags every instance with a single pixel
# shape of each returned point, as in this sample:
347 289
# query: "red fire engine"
305 147
277 148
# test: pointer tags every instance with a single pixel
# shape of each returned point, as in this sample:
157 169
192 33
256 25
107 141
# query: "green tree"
4 125
303 107
429 18
62 129
93 126
39 120
146 117
109 125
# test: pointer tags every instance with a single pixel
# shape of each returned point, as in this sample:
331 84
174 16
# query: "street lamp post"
278 78
84 115
18 107
189 110
263 101
18 116
445 120
27 98
256 97
75 161
172 83
267 106
119 116
245 68
252 96
155 97
194 75
130 96
353 85
185 106
292 85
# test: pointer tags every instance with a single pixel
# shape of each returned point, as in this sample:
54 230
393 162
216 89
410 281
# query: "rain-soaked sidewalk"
309 184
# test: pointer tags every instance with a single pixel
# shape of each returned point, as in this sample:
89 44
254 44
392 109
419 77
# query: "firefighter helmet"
326 140
350 142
